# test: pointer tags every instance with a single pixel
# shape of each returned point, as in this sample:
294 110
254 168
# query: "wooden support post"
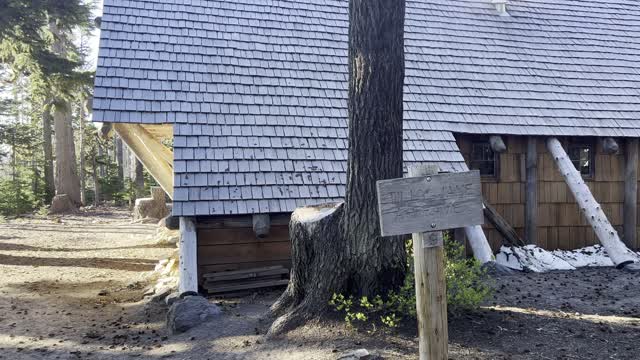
619 254
261 224
156 158
431 291
631 193
610 146
509 235
188 247
531 192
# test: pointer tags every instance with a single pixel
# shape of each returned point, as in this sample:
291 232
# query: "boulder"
62 204
171 298
170 222
190 312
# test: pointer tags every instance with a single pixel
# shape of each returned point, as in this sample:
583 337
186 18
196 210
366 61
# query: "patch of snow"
588 256
531 258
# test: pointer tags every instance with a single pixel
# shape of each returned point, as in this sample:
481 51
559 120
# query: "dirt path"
71 289
67 282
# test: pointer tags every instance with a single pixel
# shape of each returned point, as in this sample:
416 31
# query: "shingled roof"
257 89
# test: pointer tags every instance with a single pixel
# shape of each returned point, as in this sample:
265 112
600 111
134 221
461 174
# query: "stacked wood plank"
247 279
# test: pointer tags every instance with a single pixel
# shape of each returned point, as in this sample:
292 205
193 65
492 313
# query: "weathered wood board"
429 203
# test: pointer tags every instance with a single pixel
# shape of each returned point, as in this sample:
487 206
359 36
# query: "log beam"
479 244
156 158
630 211
619 254
188 247
497 144
531 192
610 146
508 233
261 225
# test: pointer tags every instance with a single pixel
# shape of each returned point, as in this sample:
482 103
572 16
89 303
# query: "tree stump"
318 266
154 207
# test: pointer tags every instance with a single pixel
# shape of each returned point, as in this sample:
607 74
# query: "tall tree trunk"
376 80
49 185
67 180
138 179
338 248
83 194
119 159
96 182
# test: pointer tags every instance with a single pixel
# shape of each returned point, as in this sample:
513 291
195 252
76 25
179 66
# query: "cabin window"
581 156
484 159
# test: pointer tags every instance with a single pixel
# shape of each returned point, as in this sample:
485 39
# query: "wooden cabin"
254 99
559 222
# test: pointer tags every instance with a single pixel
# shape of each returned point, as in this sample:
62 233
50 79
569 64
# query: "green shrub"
467 286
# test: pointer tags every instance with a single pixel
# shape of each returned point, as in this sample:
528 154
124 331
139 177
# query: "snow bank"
533 258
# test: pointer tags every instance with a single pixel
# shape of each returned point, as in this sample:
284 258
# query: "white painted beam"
188 248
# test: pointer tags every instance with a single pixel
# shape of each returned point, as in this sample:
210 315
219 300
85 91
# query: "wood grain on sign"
429 203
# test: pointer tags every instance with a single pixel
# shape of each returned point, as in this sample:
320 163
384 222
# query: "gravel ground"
72 289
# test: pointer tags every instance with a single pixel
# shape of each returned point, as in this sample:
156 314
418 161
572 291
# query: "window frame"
496 159
581 144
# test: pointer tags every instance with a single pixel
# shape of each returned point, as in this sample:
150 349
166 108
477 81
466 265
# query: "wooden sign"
429 203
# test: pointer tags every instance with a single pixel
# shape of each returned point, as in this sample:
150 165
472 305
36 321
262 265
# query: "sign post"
431 202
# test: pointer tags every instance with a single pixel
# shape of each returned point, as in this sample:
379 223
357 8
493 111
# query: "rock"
171 298
103 292
631 267
173 240
154 207
62 204
170 222
147 220
161 293
167 237
493 268
190 312
360 354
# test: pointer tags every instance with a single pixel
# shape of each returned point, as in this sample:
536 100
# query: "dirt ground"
71 288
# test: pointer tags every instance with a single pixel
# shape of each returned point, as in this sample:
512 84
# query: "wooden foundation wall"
560 223
229 243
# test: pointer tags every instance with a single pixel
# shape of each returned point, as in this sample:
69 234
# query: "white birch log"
188 246
478 241
479 244
620 255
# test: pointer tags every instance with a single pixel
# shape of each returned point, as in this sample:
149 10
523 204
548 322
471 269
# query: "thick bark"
138 179
120 158
319 266
83 195
96 183
49 185
342 251
67 181
376 78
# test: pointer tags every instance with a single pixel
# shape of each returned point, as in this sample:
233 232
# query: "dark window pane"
581 156
483 159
